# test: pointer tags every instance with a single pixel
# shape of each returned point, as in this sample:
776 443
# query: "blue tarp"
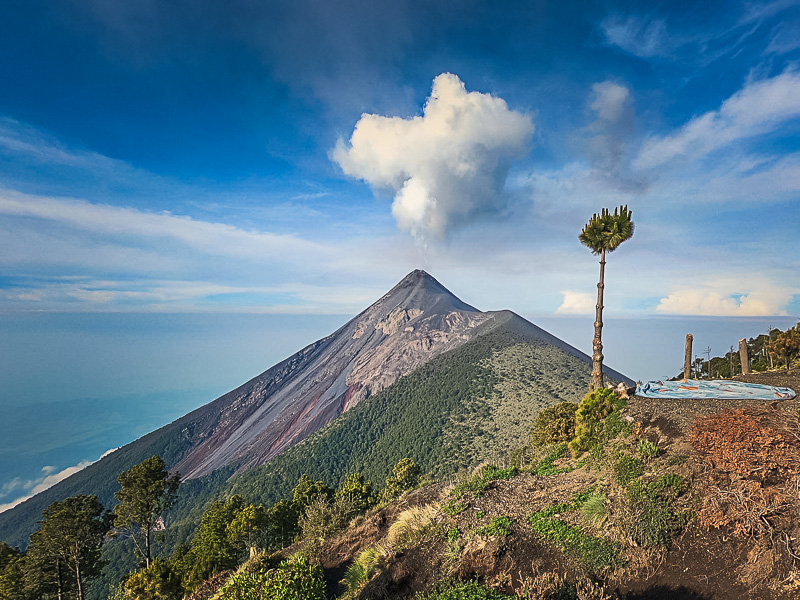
691 388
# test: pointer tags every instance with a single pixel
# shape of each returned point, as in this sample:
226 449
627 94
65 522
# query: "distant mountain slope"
414 323
471 404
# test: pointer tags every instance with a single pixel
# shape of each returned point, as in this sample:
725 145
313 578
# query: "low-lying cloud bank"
48 479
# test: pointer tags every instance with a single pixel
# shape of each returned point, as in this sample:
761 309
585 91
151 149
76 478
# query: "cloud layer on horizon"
49 477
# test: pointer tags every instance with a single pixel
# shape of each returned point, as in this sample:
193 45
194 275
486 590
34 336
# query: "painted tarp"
692 388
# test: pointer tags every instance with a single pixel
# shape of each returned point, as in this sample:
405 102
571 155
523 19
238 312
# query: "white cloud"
640 37
577 303
48 479
445 167
68 254
757 297
758 108
103 219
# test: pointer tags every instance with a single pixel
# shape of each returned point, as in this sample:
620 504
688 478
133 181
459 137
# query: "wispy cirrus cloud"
646 38
69 254
758 108
657 35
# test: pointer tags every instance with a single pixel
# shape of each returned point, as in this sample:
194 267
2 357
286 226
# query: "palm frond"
605 232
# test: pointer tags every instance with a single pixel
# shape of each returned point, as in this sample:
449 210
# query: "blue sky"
196 156
299 158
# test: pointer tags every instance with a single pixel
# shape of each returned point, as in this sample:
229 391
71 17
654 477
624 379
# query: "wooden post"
743 357
687 357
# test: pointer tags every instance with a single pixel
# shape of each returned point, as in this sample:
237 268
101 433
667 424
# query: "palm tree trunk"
597 343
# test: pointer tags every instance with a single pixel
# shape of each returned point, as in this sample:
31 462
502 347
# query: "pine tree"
147 491
65 552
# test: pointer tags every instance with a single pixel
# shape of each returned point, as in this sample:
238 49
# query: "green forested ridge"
466 406
463 407
469 405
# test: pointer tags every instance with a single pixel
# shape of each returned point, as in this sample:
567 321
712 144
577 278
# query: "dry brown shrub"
210 587
741 444
750 461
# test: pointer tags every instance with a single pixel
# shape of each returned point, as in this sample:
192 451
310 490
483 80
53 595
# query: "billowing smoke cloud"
445 167
609 136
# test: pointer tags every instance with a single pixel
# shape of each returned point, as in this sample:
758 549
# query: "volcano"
414 323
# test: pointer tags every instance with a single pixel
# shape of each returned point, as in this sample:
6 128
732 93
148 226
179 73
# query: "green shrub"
453 534
648 449
405 476
627 468
479 481
470 590
323 518
593 409
498 526
613 425
453 507
454 546
653 520
294 579
554 424
546 466
158 582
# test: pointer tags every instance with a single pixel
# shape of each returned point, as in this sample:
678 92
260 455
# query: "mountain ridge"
416 320
419 315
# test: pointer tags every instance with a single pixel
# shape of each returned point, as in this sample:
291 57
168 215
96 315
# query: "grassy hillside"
690 500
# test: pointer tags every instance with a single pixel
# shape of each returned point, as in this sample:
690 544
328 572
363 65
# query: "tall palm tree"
602 234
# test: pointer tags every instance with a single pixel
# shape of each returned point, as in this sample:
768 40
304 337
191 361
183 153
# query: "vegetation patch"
295 579
453 507
498 526
647 449
627 468
595 554
464 590
546 466
480 481
654 520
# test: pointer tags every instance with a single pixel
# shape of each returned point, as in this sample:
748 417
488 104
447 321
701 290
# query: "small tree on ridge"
147 492
603 234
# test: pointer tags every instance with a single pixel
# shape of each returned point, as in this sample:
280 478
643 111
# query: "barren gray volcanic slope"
415 321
